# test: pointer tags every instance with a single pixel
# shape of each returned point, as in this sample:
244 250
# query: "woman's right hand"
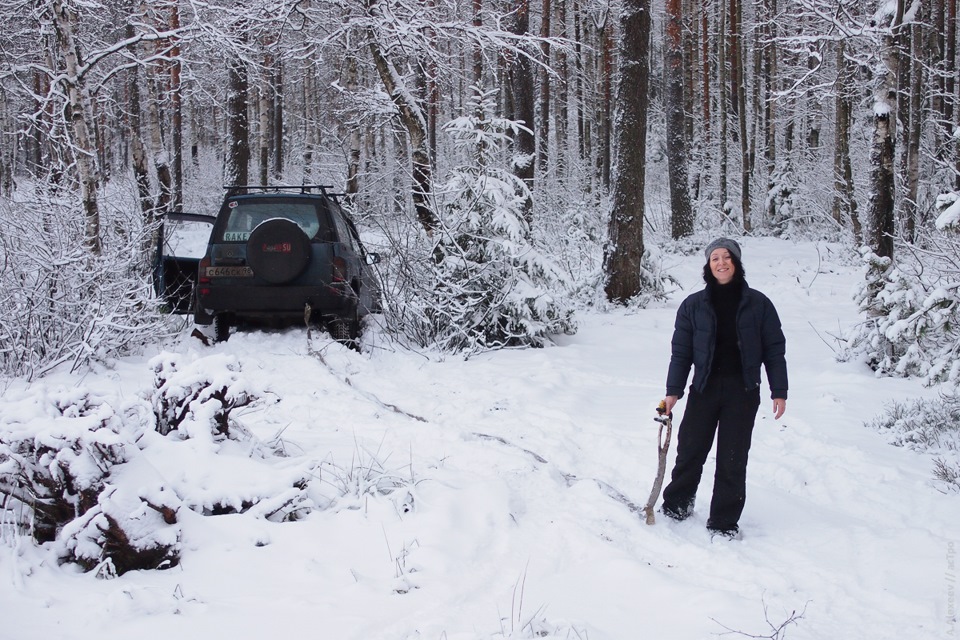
669 402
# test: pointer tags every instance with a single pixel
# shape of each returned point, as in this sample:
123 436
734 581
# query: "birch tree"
64 19
882 179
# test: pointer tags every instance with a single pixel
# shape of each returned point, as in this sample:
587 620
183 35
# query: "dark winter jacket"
761 341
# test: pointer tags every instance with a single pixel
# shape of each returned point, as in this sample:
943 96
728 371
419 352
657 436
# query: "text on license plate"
229 272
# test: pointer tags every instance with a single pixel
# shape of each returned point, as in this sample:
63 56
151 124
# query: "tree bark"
353 158
543 126
739 98
84 149
844 201
622 262
723 111
770 60
882 181
276 120
176 109
681 214
913 123
950 73
138 153
263 125
520 74
415 123
606 96
238 156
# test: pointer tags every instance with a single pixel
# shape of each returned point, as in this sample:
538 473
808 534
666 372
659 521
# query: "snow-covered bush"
195 397
61 304
930 426
912 311
58 454
782 202
491 285
59 469
125 531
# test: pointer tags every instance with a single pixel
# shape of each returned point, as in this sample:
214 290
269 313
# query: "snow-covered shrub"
931 426
58 470
61 304
220 468
782 203
491 286
949 206
125 531
59 451
195 397
912 309
572 224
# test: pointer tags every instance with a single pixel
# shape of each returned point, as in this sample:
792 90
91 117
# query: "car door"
181 242
370 291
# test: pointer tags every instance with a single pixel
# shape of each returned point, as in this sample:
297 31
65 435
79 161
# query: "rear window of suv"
244 216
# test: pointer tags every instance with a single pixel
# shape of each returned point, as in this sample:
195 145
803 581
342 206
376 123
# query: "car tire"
221 327
345 331
278 251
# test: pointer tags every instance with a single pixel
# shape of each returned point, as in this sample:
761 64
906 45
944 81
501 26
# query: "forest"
511 160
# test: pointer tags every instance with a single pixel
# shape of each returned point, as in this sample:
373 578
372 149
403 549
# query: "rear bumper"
277 302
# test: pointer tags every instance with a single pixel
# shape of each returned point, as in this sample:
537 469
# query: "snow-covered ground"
460 500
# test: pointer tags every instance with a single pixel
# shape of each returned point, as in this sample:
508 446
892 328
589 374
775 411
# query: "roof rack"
234 189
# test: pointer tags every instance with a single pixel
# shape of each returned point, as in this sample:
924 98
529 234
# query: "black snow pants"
728 410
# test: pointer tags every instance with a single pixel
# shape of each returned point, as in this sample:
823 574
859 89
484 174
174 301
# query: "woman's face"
721 265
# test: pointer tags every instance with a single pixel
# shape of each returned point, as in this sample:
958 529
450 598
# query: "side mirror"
373 258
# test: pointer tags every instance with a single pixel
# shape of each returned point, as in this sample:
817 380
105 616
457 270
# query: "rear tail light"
202 277
202 270
339 270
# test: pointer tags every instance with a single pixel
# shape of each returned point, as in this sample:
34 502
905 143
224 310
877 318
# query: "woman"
726 331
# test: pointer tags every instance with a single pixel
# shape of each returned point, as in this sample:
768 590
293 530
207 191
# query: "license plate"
229 272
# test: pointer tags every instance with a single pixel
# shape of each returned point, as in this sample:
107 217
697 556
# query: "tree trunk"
238 157
78 99
543 126
176 108
521 79
622 262
913 131
770 60
477 53
263 122
739 99
578 37
276 121
681 214
950 73
353 157
158 147
415 123
138 153
705 56
606 96
844 201
723 111
884 136
563 85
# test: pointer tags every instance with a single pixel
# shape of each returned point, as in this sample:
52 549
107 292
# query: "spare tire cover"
278 250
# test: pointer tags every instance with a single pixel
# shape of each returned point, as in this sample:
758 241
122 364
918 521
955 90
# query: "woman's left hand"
779 406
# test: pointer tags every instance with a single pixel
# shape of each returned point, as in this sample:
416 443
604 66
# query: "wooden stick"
663 445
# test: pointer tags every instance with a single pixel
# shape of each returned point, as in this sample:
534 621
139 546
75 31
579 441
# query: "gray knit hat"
723 243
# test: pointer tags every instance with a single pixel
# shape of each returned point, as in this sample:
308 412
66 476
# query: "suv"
275 254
